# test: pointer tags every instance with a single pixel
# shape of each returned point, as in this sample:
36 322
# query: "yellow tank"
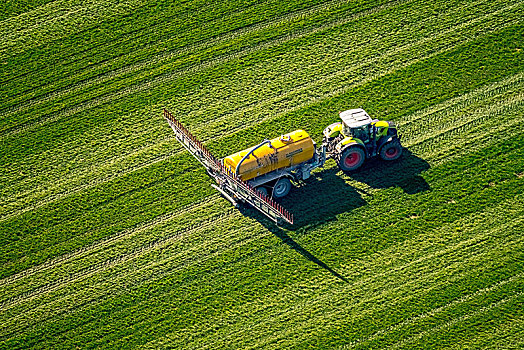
285 151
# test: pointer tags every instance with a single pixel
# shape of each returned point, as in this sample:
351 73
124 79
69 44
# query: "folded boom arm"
231 186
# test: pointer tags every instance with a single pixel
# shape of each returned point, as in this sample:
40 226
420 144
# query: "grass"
112 237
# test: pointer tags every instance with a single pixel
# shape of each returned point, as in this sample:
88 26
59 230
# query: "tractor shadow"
403 172
327 194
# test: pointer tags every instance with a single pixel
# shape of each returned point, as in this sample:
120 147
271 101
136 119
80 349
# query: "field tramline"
84 262
112 236
217 131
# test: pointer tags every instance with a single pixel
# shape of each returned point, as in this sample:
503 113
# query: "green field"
112 237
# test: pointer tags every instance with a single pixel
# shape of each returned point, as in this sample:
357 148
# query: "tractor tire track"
238 129
149 279
145 131
15 41
454 321
120 259
405 263
193 47
463 101
413 320
134 34
322 302
296 307
449 106
166 77
383 73
447 130
111 284
99 245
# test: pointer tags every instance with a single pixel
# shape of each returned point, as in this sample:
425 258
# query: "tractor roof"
355 118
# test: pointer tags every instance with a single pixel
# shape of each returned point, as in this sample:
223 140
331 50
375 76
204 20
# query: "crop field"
112 237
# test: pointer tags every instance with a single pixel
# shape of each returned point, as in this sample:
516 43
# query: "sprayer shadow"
326 194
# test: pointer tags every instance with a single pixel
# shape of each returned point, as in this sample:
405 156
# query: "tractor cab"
356 123
359 137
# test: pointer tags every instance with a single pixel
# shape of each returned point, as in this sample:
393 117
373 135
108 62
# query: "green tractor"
358 137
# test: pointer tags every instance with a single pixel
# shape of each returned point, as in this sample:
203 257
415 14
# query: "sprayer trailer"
265 172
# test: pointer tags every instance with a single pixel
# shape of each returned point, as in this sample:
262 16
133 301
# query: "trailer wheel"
351 158
391 150
282 187
262 190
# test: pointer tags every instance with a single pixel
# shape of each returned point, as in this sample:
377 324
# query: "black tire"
351 158
282 187
391 150
262 190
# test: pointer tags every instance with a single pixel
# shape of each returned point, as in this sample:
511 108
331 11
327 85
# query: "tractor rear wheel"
351 158
282 187
391 150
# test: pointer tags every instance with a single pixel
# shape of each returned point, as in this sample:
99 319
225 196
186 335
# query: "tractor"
358 137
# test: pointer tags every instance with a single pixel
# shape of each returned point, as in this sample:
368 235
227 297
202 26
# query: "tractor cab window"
346 130
361 133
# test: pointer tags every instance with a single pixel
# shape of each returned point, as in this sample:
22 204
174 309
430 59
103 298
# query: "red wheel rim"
352 159
391 152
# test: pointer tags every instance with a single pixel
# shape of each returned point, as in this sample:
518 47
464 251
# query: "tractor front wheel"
351 159
282 187
391 150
